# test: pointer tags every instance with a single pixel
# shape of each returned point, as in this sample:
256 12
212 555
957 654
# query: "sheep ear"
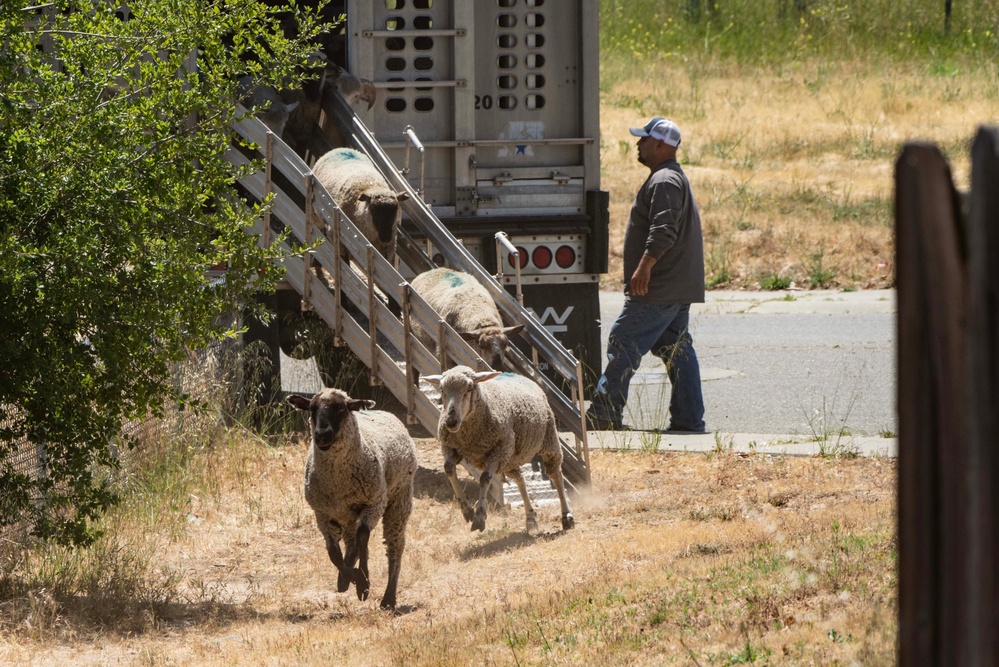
514 330
368 93
300 402
365 196
360 404
401 196
486 375
470 336
435 380
291 107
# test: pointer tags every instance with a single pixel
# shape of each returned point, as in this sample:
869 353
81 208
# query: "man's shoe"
597 424
684 431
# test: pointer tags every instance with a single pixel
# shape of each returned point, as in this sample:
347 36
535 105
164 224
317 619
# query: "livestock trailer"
491 110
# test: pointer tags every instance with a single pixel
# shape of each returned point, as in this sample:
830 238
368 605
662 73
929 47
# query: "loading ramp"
350 302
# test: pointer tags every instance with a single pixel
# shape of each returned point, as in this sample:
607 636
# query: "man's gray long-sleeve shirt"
666 224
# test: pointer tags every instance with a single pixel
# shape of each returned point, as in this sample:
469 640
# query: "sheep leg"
451 460
485 480
532 517
349 558
394 530
361 579
332 536
553 466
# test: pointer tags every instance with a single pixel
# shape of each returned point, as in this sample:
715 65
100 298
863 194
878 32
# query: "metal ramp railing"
351 305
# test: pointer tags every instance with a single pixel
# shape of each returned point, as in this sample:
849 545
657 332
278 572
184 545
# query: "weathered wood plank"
933 409
983 384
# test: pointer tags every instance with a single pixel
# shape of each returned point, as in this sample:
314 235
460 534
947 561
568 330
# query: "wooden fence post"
983 371
932 405
948 365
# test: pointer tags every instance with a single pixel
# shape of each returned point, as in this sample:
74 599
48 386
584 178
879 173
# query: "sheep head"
383 205
271 108
491 342
329 414
458 393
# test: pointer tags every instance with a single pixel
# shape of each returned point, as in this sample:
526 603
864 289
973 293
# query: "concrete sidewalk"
737 302
790 301
746 443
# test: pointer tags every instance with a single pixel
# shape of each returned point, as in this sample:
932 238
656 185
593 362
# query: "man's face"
647 150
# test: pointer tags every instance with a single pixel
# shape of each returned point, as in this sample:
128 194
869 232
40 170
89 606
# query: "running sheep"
359 470
365 197
470 310
497 422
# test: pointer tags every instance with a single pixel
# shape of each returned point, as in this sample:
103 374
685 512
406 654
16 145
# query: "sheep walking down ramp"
364 195
497 422
359 470
470 310
296 114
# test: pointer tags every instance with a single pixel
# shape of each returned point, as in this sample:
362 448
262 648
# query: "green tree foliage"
115 198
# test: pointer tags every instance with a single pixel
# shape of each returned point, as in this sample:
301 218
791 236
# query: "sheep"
275 115
364 196
360 469
468 307
497 422
296 114
308 129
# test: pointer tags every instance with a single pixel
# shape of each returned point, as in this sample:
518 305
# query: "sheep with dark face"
296 114
497 422
308 129
359 470
364 196
470 310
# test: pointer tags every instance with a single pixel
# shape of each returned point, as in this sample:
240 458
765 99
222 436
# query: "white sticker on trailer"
560 326
520 134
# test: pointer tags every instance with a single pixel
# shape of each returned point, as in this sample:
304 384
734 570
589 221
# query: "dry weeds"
793 170
707 559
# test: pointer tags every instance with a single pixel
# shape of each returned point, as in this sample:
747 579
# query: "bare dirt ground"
699 559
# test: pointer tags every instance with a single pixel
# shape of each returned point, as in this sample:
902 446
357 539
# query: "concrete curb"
798 301
745 443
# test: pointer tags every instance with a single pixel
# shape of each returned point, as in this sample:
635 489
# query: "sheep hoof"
532 523
362 583
568 522
343 581
479 523
387 602
468 512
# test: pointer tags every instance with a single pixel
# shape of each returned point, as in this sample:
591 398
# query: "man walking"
663 275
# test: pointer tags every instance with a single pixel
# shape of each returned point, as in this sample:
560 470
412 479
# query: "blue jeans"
663 330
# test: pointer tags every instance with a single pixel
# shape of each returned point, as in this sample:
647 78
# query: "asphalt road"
811 364
816 363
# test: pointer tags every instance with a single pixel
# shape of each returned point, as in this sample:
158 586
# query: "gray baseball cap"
659 128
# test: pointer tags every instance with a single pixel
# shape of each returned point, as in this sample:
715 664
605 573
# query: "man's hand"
640 279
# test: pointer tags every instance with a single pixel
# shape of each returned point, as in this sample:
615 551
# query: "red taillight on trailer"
523 257
542 257
565 257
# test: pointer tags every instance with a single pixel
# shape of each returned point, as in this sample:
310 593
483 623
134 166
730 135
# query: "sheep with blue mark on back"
470 310
359 470
497 422
363 194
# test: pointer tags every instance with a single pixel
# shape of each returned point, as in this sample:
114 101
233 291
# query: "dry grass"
793 170
707 559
